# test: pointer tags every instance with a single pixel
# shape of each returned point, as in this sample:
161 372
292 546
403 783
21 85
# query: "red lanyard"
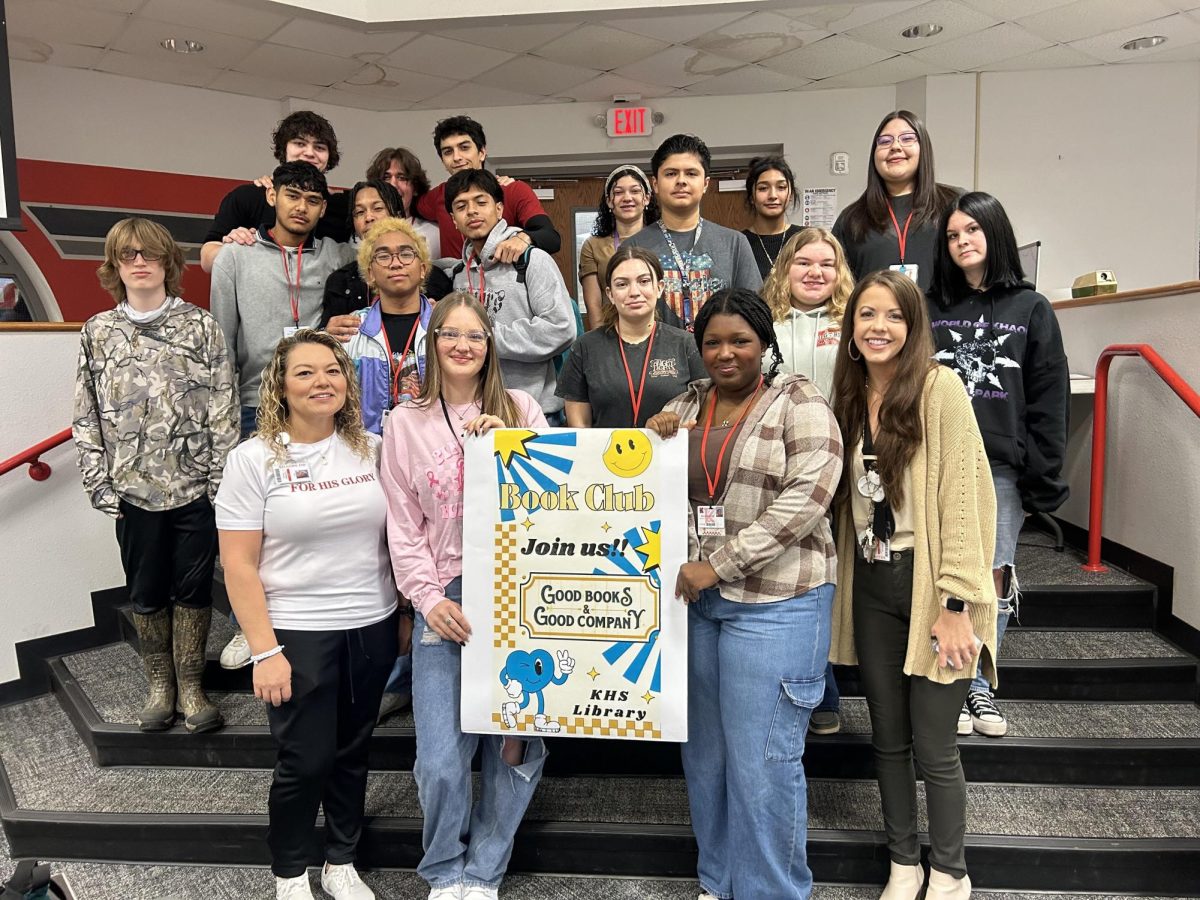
901 236
293 289
471 259
395 378
636 401
712 480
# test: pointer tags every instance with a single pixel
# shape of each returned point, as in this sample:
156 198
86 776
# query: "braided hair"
752 308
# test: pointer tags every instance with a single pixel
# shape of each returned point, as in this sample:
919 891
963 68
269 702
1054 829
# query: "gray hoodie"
249 298
533 322
808 342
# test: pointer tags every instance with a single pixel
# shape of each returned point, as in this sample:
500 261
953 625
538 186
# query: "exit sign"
630 121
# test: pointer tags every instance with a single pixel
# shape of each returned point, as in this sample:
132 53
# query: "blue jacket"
372 363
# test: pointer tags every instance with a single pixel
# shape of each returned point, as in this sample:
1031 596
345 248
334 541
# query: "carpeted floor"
1039 565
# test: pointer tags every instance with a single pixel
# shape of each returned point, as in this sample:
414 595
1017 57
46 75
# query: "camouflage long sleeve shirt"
156 409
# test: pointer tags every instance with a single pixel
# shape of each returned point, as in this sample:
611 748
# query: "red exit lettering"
629 121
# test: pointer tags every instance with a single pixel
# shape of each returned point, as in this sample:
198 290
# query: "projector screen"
10 208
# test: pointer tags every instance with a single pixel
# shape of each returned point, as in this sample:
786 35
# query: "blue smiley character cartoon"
525 676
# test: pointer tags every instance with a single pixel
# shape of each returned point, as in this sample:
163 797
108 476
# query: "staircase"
1096 788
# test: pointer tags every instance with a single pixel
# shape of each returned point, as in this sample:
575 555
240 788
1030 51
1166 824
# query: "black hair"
305 123
389 195
301 175
458 125
681 143
760 166
408 162
606 222
752 308
1003 264
480 179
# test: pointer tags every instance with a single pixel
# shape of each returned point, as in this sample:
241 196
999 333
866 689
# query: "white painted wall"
1151 492
56 548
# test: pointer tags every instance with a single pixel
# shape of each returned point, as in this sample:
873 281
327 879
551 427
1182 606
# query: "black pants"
324 734
168 555
910 717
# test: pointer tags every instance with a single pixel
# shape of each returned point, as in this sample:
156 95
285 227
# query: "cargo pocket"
797 699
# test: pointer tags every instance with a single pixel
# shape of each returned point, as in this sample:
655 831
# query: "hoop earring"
851 355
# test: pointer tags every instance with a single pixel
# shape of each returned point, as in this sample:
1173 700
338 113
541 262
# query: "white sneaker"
293 888
343 883
480 892
236 653
549 726
707 897
453 892
965 725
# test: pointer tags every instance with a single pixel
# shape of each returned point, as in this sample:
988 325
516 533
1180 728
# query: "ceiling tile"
902 67
1002 41
1056 56
470 95
839 17
70 55
324 37
675 29
1086 18
430 53
956 20
746 80
601 47
339 97
603 88
121 6
399 84
305 66
240 83
1011 10
216 15
758 36
1180 30
530 75
68 23
679 67
513 38
142 38
832 56
171 68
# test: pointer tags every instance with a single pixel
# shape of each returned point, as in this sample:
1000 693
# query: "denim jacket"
373 365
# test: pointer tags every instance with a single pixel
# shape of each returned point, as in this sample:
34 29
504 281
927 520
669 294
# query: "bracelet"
259 657
528 239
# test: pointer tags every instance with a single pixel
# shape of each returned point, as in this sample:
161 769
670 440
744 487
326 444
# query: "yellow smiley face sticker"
628 453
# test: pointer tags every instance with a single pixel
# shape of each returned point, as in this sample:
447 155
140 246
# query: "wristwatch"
954 605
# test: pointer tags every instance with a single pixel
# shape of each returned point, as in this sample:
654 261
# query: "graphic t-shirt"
399 327
324 562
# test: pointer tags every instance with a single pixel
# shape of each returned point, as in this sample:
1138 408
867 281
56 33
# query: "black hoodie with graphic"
1006 346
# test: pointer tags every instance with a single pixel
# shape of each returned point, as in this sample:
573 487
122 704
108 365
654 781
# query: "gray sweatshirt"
533 322
250 300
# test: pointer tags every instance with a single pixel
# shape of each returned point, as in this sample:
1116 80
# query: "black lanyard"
883 523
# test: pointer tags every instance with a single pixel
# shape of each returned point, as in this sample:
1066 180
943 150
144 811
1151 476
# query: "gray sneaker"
825 721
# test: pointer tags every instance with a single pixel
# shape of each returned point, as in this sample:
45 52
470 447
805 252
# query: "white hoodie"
808 342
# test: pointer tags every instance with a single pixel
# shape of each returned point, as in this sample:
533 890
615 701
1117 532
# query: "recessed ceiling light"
924 30
182 45
1144 43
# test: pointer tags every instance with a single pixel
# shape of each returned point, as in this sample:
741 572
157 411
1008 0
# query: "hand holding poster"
571 544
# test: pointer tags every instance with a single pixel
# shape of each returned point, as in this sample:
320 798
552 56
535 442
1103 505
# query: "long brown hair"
494 400
901 429
623 254
777 290
870 211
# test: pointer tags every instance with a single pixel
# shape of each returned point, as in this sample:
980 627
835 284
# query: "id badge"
909 269
883 550
289 331
292 474
710 521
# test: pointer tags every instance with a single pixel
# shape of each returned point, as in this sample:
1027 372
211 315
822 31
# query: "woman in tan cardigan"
915 598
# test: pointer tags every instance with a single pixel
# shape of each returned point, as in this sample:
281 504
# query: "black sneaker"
986 717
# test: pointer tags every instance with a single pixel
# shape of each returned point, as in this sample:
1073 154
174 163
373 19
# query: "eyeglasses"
129 254
452 336
384 257
904 139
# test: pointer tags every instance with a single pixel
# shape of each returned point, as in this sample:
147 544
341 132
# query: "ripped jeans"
755 673
1010 517
464 843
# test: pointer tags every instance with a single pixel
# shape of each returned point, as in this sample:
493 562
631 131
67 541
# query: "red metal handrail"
38 470
1100 429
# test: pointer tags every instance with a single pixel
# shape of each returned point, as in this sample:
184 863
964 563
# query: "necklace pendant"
724 423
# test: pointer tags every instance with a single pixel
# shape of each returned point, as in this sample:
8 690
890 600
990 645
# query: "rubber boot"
190 639
947 887
904 882
154 639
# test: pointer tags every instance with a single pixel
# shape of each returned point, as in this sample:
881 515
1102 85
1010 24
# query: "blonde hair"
494 400
145 235
777 289
273 409
366 249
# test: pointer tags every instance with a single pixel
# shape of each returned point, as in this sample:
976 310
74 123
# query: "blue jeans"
1010 516
400 681
464 843
755 673
832 699
249 420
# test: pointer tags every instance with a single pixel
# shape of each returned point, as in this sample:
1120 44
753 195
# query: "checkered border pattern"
588 727
507 592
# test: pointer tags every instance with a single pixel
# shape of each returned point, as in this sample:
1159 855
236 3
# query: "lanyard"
883 522
712 480
901 236
446 416
685 272
395 377
470 288
636 401
293 289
